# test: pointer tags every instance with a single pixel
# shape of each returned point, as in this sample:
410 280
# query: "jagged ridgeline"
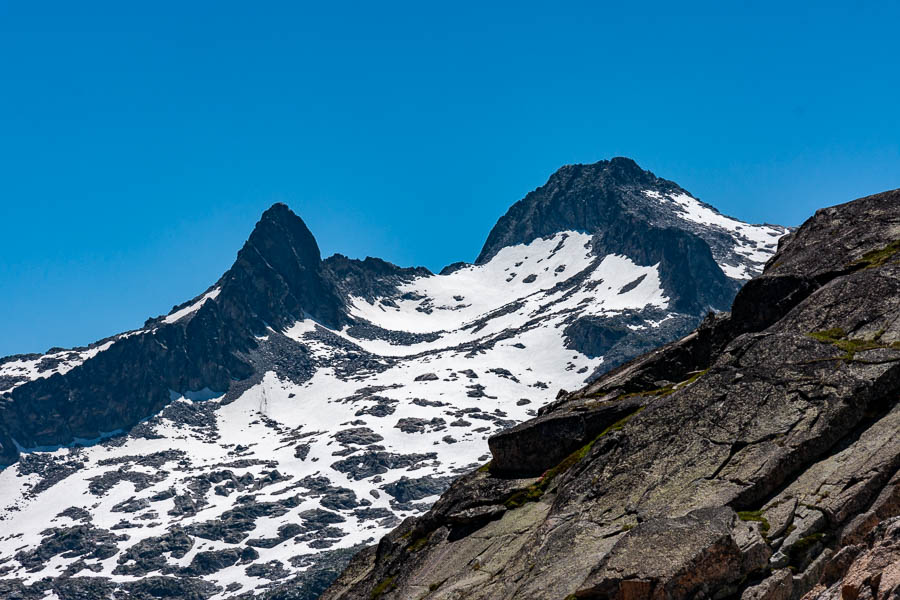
258 435
756 458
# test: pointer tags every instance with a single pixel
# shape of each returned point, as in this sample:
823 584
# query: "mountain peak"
623 161
279 210
579 197
617 196
277 276
620 169
280 226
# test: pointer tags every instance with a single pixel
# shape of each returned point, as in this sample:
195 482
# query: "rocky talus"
756 458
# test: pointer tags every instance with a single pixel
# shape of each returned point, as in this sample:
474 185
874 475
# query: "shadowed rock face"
278 275
756 458
371 278
686 266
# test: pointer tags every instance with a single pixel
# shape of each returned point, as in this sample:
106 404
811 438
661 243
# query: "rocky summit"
256 437
756 458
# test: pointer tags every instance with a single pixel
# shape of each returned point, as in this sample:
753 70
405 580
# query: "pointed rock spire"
278 278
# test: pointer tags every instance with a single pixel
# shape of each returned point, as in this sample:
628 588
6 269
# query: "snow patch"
192 308
756 243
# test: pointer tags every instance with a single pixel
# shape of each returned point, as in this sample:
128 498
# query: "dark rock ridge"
371 278
756 458
124 384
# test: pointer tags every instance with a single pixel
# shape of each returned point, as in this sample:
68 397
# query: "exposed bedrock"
758 457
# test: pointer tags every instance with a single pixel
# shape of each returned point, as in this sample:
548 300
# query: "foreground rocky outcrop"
756 458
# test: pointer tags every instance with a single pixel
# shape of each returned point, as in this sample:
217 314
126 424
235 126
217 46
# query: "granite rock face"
758 456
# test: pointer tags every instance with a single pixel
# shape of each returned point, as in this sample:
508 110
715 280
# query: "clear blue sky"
138 145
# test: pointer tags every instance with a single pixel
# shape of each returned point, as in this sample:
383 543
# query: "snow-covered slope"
751 245
306 425
22 368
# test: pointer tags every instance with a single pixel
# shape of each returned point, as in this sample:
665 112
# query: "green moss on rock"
838 337
829 336
417 544
668 389
878 258
755 516
382 588
534 492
